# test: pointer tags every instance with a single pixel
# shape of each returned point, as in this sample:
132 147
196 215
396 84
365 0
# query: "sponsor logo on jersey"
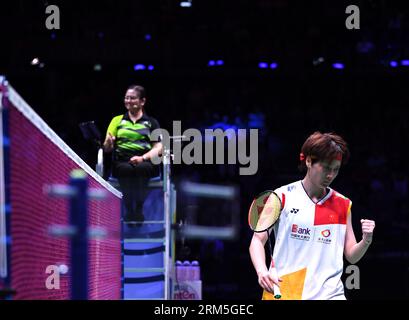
324 236
300 233
326 233
294 210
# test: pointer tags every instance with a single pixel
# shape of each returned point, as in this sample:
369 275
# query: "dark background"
366 102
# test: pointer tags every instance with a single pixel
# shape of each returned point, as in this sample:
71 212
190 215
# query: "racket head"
264 211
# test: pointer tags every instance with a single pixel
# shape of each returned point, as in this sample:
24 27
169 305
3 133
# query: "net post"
5 236
79 243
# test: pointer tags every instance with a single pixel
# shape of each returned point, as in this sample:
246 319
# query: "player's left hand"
367 230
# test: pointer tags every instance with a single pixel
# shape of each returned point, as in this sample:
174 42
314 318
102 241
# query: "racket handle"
277 292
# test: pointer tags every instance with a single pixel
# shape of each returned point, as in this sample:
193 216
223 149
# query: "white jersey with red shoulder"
309 244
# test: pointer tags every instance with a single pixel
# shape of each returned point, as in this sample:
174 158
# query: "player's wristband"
145 158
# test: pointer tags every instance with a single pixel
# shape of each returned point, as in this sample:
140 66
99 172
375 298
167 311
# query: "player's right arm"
258 257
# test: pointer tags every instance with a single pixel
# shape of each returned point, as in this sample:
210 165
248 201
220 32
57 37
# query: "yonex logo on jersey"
294 210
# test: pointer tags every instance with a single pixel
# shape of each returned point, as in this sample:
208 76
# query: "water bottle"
186 270
195 270
178 270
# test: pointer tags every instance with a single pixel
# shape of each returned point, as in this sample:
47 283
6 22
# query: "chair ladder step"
144 240
144 270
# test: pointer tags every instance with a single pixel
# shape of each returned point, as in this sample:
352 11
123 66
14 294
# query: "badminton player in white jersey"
314 229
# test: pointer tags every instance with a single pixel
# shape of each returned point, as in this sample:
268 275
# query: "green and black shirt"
132 138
